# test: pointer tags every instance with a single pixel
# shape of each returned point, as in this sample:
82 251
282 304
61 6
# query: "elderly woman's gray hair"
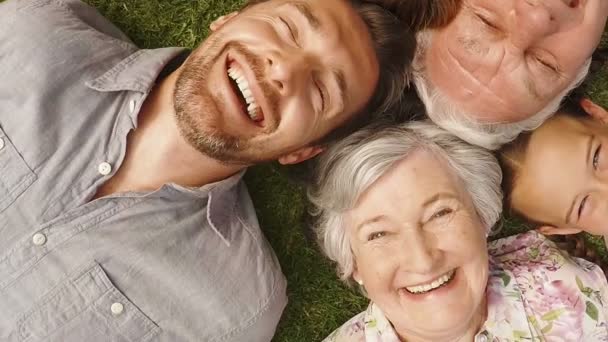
450 117
347 169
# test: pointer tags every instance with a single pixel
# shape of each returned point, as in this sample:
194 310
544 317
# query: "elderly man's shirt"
175 264
535 292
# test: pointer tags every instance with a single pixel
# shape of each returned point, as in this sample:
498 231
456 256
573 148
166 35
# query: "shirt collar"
222 197
377 326
136 72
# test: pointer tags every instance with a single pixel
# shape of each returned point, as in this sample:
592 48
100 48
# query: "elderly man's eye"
442 213
375 236
546 64
487 22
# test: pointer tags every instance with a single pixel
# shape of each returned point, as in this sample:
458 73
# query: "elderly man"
501 67
122 212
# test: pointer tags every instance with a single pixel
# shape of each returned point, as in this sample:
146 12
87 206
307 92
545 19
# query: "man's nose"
285 70
534 21
420 253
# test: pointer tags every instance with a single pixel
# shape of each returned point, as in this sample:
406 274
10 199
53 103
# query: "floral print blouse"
535 292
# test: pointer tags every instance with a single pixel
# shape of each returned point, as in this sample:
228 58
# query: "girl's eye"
375 236
581 206
441 213
596 157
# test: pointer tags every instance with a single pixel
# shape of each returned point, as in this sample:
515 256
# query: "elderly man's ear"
595 110
219 22
300 155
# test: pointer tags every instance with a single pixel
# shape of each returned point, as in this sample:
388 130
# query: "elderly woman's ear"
357 278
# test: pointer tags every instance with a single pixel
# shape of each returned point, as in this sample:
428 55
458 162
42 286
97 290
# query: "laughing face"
420 249
533 48
270 81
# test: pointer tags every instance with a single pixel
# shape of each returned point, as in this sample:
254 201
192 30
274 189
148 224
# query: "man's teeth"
444 279
252 107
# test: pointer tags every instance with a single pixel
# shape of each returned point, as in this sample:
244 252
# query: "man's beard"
198 113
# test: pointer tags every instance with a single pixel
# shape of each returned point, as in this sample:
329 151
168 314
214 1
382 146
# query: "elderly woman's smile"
418 244
432 285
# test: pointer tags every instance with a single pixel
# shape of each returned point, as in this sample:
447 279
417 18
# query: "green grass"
318 302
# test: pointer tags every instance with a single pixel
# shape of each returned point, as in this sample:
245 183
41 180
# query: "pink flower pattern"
535 292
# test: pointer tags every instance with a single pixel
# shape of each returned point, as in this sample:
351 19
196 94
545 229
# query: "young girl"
557 175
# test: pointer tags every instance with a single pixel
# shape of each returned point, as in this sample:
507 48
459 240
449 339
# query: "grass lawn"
319 303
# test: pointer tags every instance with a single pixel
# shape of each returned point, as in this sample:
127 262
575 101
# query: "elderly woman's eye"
375 236
441 213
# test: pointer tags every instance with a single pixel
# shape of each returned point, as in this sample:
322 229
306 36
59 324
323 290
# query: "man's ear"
300 155
551 230
219 22
594 110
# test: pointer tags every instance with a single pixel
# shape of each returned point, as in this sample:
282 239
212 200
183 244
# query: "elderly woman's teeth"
237 76
437 283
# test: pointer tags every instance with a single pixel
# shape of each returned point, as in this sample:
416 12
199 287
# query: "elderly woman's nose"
420 254
534 21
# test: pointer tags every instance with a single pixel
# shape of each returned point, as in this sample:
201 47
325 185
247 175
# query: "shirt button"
104 168
117 309
39 239
132 105
1 143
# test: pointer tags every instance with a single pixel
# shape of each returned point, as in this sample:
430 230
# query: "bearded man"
122 212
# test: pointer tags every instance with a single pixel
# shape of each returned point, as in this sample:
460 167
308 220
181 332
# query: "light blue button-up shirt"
176 264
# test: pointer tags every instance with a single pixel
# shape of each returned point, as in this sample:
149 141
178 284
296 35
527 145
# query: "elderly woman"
405 212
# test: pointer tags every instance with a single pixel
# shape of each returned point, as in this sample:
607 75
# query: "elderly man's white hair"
348 168
461 123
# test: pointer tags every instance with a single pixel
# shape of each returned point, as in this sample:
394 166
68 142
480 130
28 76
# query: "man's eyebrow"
306 11
588 162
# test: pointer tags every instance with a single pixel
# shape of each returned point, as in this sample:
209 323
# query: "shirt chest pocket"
15 175
86 307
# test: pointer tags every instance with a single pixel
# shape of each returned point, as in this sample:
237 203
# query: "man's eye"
321 95
441 213
375 236
291 32
581 206
596 157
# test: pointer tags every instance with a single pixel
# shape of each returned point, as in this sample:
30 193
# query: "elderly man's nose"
534 21
285 70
